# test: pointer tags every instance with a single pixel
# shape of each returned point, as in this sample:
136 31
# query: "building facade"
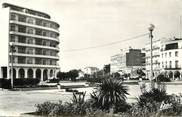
127 61
156 45
35 38
116 61
171 57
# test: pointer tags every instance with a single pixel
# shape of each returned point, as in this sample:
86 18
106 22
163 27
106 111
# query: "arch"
170 74
30 73
21 73
51 73
38 74
176 74
45 77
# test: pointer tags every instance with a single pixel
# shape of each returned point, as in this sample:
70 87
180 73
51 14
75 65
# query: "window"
30 40
165 55
44 33
44 62
21 39
44 43
38 22
45 24
38 32
166 65
162 64
176 53
22 29
29 51
170 64
30 31
22 18
29 61
13 38
13 17
169 54
176 64
44 52
13 28
30 21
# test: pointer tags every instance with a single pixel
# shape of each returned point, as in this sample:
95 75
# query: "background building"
116 61
171 57
128 61
156 58
35 38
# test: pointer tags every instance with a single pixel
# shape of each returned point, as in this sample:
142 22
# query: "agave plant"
109 94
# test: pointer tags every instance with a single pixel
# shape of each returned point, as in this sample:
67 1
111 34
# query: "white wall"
4 36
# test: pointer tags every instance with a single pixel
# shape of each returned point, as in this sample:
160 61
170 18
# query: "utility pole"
151 28
12 50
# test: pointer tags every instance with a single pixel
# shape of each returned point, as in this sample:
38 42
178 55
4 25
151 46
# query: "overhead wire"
108 44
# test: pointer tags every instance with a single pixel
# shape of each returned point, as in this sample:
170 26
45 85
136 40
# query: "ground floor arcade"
172 74
18 72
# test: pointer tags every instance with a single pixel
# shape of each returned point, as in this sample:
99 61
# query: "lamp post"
151 28
12 47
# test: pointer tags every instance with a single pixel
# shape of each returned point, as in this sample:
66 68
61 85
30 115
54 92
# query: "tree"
140 73
62 75
116 75
176 74
110 94
107 69
73 74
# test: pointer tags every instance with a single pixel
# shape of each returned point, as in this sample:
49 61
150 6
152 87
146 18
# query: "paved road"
13 103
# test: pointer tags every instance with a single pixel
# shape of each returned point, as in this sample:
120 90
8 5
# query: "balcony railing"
36 55
35 65
37 17
175 68
33 25
36 46
33 35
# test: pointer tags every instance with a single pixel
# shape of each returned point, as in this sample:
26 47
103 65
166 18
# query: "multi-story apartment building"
155 58
171 57
127 61
35 37
116 61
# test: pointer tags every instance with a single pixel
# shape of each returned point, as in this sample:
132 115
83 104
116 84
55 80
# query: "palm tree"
110 94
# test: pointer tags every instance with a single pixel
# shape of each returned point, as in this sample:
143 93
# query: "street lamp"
151 28
12 49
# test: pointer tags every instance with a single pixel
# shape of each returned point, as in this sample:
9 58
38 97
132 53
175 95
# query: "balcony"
35 65
33 25
33 16
33 35
36 46
176 68
23 54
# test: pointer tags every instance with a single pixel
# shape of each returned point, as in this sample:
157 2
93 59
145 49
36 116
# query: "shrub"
78 106
26 82
110 94
19 82
155 94
54 80
162 78
149 103
5 83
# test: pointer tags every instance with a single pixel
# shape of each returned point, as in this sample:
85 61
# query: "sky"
90 23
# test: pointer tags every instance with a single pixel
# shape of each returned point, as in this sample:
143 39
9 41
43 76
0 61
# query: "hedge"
19 83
